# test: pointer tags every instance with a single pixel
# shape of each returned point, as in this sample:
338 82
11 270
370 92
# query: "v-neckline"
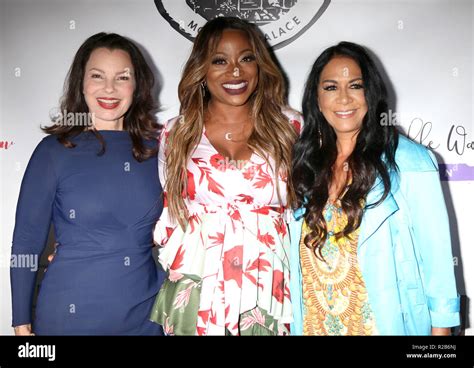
247 162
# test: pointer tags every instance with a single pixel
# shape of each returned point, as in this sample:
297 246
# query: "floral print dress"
228 270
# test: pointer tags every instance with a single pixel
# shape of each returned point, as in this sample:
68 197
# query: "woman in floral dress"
224 164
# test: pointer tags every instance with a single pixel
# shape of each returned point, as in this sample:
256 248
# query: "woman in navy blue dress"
95 178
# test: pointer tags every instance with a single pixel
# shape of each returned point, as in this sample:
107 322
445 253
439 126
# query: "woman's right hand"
52 255
23 330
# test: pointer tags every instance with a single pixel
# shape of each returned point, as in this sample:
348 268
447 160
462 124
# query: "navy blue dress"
103 279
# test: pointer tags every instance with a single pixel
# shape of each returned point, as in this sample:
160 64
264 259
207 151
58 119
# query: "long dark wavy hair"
139 120
315 152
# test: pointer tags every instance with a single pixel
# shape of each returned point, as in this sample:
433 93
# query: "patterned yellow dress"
334 293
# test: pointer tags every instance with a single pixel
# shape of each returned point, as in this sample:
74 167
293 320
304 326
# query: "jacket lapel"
374 217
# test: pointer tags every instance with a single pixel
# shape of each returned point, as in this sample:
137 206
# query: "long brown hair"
139 120
272 135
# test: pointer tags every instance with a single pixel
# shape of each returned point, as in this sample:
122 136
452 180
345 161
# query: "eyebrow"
101 71
240 52
333 81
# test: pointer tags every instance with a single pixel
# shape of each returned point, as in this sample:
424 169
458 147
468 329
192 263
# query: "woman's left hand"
439 331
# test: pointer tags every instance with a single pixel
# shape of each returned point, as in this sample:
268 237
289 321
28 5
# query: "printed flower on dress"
280 226
234 214
255 317
297 125
204 316
249 172
218 162
266 239
165 135
264 210
167 328
193 221
178 259
205 171
169 232
182 298
201 331
258 266
263 180
174 276
245 198
278 286
233 264
217 240
191 185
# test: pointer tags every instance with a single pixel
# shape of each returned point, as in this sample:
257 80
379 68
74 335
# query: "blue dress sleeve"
32 223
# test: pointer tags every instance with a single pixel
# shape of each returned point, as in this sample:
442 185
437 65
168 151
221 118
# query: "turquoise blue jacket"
404 251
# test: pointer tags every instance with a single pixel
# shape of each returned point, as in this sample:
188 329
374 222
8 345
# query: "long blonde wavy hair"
272 135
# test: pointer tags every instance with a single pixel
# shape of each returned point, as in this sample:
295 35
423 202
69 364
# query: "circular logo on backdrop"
282 21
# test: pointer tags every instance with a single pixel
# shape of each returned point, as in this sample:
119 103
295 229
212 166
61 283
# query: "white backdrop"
425 46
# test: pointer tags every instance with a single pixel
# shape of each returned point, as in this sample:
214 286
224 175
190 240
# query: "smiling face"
109 84
341 97
232 76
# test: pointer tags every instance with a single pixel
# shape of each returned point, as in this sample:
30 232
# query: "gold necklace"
230 133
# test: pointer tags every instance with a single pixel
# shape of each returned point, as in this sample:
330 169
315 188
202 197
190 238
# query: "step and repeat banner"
423 47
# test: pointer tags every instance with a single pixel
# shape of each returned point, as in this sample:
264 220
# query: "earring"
203 88
320 138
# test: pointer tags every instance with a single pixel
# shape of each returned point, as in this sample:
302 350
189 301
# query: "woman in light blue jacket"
371 251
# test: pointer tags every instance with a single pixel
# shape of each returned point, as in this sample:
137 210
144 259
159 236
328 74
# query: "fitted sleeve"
165 225
32 222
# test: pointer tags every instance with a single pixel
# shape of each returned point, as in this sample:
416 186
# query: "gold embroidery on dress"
334 292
